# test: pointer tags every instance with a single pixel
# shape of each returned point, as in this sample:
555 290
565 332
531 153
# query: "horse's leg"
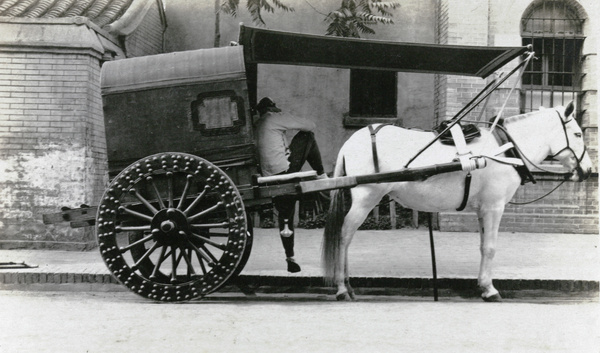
347 281
489 221
364 198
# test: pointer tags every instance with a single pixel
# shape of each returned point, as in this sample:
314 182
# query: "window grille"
554 30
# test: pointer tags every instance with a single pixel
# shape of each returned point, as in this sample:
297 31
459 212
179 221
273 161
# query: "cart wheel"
172 227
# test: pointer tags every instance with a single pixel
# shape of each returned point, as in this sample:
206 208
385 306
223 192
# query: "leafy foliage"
256 8
354 17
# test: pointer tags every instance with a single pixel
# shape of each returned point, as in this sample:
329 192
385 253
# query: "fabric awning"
277 47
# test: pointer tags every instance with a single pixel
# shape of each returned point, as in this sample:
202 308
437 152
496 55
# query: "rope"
526 62
471 105
539 198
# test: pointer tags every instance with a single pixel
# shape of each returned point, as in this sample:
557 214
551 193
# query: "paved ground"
564 259
76 322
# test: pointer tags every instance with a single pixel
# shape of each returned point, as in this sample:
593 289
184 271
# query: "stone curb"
37 281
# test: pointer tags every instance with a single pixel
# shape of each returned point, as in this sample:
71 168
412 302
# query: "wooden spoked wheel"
172 227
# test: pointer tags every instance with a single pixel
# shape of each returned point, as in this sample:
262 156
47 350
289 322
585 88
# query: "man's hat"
267 104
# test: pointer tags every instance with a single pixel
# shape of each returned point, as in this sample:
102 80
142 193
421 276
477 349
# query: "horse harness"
374 132
460 136
568 146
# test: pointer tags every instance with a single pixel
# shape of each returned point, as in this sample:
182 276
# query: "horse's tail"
333 227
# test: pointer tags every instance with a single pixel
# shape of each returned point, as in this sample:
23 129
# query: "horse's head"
568 146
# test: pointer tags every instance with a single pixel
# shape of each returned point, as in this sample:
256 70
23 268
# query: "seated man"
277 157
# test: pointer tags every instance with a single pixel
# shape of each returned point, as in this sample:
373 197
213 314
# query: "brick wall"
573 208
52 137
441 81
52 144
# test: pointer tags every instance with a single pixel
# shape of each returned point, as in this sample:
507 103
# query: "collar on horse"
503 138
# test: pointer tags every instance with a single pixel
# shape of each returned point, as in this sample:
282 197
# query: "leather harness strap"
373 132
463 155
463 204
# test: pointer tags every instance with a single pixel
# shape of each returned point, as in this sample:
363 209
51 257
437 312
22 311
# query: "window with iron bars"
554 30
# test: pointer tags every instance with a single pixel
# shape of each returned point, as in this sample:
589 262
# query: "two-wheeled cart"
173 226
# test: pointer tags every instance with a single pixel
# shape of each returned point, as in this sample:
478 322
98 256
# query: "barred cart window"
554 29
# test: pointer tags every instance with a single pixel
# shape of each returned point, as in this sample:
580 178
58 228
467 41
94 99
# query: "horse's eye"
578 134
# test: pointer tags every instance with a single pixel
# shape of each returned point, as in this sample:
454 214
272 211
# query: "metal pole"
433 266
464 111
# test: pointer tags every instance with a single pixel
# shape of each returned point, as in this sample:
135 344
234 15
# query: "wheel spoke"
120 229
189 263
211 225
161 204
213 258
170 188
135 213
145 256
198 198
200 260
208 210
144 201
161 259
202 255
141 241
188 181
174 264
211 242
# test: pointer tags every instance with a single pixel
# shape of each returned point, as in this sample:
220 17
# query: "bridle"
566 176
579 170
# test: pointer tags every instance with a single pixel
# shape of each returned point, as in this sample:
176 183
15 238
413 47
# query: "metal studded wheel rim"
172 227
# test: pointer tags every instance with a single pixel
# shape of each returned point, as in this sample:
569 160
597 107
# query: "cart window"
218 113
373 93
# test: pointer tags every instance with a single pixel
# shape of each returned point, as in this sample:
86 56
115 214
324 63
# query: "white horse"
550 132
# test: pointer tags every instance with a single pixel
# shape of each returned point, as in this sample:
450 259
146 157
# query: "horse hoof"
344 297
493 298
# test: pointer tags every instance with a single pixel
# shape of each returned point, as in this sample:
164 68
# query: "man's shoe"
292 266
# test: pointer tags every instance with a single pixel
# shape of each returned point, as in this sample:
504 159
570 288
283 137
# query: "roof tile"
101 12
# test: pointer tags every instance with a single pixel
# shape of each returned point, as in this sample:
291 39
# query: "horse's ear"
569 109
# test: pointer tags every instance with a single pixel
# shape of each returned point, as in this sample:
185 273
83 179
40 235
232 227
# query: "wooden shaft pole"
433 265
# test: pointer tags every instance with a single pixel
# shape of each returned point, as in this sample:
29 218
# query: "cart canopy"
173 69
277 47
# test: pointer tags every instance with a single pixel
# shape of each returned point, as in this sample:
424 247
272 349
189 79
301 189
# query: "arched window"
554 29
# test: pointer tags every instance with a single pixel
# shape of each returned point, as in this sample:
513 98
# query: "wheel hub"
169 226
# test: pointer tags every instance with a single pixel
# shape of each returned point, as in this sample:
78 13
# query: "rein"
539 198
565 175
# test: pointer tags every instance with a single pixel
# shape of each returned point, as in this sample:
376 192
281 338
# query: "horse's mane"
515 118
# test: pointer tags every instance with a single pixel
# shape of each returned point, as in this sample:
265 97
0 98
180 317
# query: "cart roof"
173 69
277 47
